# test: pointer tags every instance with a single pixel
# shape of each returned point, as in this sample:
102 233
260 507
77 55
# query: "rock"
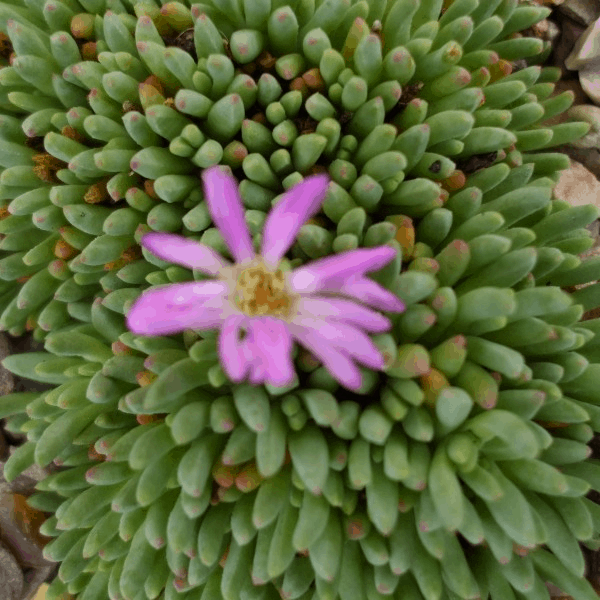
20 485
590 114
11 576
29 519
579 97
34 578
4 452
14 439
7 382
25 482
552 31
13 383
578 186
36 473
586 48
585 58
20 345
588 157
18 531
22 539
554 591
570 32
582 11
594 229
26 343
590 80
22 566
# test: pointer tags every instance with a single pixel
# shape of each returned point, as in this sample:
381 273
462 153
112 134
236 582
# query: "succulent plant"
459 466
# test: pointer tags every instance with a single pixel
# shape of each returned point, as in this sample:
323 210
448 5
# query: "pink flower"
272 307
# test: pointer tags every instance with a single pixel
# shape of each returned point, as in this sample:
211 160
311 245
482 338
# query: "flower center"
259 291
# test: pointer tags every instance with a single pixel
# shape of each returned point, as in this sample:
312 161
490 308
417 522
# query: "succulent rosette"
315 326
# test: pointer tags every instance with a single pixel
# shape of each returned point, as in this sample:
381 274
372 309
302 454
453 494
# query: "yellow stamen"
262 292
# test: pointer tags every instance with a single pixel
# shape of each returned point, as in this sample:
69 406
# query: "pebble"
18 536
586 49
582 11
7 381
11 576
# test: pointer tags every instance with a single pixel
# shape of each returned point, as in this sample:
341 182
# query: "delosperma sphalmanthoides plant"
413 424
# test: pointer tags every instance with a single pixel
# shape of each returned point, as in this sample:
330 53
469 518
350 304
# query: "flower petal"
257 374
369 292
336 362
143 322
173 296
256 371
150 315
273 344
183 251
341 309
286 218
172 308
347 338
334 270
231 351
225 206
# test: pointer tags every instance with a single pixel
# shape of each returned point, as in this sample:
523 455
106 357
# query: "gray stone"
578 186
20 345
555 592
570 33
582 11
7 382
11 575
26 481
32 576
13 438
27 552
590 80
590 114
552 32
34 579
4 451
35 473
588 157
587 48
25 343
20 485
